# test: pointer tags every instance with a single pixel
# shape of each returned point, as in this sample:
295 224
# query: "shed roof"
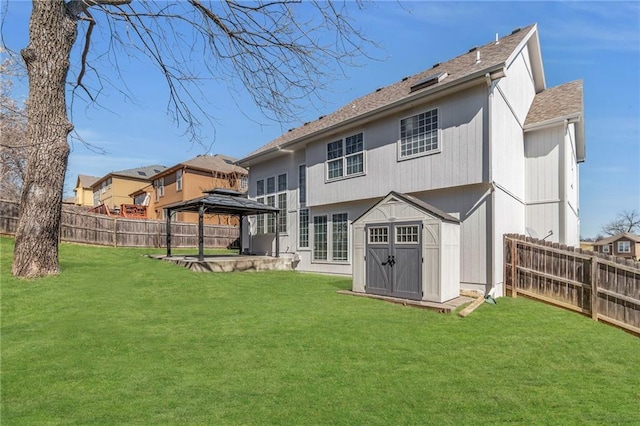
492 57
409 199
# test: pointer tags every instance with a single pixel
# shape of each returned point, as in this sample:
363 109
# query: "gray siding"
460 161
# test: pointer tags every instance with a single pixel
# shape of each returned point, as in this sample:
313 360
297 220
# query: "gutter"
494 72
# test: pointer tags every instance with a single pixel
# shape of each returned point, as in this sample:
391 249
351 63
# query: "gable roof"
614 238
411 200
207 163
563 102
85 181
494 57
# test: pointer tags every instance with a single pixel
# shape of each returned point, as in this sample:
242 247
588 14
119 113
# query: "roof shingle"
560 101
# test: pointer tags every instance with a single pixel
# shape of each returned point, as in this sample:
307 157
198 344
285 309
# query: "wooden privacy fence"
603 287
90 228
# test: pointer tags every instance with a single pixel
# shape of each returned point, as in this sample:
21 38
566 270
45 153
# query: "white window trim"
309 226
606 248
276 195
306 193
420 154
624 251
343 139
329 260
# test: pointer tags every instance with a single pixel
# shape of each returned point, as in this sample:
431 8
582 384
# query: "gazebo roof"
223 201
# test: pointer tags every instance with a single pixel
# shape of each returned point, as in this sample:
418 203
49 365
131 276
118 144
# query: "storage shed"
406 248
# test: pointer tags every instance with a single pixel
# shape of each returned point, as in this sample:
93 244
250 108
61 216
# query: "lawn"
119 338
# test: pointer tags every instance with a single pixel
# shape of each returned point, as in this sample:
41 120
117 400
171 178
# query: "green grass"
119 338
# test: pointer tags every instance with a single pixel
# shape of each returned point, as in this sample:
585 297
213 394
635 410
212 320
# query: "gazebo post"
201 233
168 213
277 236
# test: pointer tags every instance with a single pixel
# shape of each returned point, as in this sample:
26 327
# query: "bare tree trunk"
52 33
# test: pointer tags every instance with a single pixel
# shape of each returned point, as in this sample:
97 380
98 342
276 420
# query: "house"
623 244
114 189
84 193
188 180
480 137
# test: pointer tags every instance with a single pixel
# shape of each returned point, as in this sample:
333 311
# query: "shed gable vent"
429 81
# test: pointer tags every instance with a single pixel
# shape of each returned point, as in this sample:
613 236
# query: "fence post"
514 252
594 288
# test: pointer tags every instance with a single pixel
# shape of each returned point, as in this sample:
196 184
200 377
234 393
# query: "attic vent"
142 173
473 48
437 64
405 78
321 117
429 81
378 89
156 170
306 123
516 30
228 161
290 130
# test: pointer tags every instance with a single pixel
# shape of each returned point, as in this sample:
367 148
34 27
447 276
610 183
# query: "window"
282 182
271 220
103 187
407 234
159 188
302 184
340 236
179 180
244 183
320 238
271 185
605 249
96 198
624 246
379 235
282 214
345 157
419 134
303 228
260 219
273 199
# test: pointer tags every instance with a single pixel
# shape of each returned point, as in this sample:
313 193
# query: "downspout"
492 197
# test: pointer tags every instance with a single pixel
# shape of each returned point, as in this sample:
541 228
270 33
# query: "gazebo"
220 201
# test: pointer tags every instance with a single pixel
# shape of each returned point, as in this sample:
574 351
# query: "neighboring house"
114 189
621 245
479 137
84 193
188 180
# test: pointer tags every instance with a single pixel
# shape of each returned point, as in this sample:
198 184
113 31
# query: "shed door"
394 260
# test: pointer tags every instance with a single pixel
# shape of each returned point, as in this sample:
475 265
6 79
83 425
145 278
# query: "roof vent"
142 173
478 57
437 64
516 30
473 48
228 161
378 89
497 39
429 81
157 171
321 117
290 130
405 78
306 123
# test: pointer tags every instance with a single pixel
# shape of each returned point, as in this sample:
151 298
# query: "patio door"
394 260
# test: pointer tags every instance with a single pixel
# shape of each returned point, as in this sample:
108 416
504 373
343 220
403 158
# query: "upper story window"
419 134
179 180
624 246
302 184
605 249
276 196
244 183
158 184
345 157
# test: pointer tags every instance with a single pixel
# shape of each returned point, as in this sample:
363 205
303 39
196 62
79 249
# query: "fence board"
91 228
606 288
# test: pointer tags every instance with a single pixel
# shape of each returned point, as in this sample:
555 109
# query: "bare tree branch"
626 221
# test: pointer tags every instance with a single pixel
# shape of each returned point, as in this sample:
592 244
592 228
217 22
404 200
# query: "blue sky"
598 42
